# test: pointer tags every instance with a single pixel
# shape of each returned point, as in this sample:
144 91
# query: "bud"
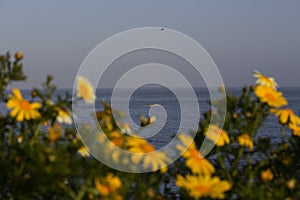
34 93
291 184
248 114
267 175
20 138
19 55
52 158
145 121
49 79
235 115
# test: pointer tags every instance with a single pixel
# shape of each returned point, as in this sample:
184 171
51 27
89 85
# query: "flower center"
195 154
147 148
203 189
270 96
25 105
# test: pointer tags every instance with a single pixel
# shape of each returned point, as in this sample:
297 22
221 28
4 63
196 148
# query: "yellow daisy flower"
270 96
83 152
286 116
64 116
194 160
217 135
108 185
22 109
265 81
245 141
85 90
146 153
295 128
54 133
117 138
266 175
203 186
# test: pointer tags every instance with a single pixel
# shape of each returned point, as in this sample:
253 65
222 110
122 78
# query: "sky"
55 36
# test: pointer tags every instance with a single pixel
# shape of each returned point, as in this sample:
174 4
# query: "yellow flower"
83 152
245 141
117 138
22 109
112 152
194 160
270 96
54 133
64 116
265 81
266 175
203 186
286 116
139 145
291 184
108 185
295 128
143 151
85 90
217 135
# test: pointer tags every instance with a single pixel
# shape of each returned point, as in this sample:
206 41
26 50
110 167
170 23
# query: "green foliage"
10 71
243 167
45 159
34 167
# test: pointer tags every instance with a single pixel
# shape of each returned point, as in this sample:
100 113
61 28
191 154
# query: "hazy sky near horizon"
55 36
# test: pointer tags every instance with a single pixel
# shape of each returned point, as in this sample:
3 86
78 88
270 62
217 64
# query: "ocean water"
171 109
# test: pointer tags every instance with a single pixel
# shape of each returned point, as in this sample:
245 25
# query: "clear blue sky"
55 36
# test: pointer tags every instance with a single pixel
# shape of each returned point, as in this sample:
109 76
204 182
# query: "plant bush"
42 157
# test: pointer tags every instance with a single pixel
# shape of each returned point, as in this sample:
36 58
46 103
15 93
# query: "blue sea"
145 96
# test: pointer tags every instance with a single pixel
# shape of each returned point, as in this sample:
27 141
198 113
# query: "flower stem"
282 134
10 136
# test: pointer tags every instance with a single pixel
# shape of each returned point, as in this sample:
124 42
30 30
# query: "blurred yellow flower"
266 175
64 116
85 90
108 185
54 133
245 141
83 152
22 109
20 138
139 145
295 128
265 81
291 184
270 96
145 152
194 160
286 116
19 55
203 186
117 138
217 135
